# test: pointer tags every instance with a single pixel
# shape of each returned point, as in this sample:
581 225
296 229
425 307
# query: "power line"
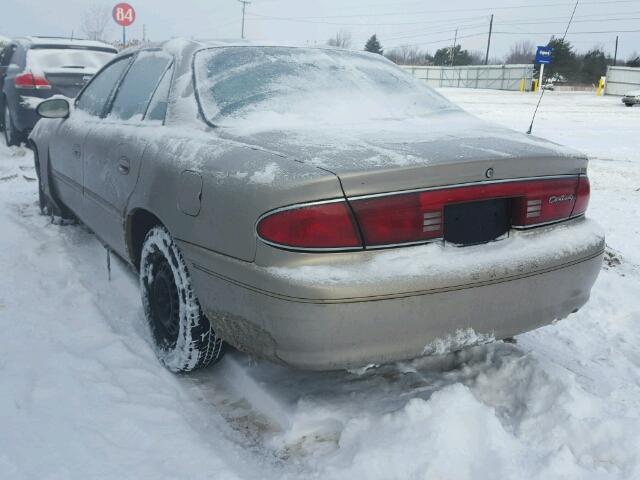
477 9
430 33
572 33
348 24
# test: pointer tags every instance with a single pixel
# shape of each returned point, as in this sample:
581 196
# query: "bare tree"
405 55
342 39
477 57
633 61
96 21
521 52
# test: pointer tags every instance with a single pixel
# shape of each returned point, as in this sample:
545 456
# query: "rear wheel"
629 104
11 136
183 336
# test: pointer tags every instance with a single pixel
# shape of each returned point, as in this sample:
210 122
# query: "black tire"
629 104
11 136
183 336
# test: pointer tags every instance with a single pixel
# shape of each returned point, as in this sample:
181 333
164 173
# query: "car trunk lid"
69 80
456 178
441 149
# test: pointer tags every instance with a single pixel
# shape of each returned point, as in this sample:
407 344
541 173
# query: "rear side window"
94 98
138 86
157 109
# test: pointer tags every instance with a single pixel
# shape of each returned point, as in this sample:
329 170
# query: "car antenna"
575 7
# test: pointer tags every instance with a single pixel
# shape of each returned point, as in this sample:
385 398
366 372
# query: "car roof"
60 41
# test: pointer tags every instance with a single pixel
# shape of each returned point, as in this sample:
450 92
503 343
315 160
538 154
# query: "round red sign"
124 14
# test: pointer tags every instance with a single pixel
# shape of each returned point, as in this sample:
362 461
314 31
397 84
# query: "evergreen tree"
373 45
565 62
594 66
460 57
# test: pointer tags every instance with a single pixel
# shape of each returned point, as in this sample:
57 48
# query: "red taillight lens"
401 218
418 217
31 81
582 196
545 201
322 226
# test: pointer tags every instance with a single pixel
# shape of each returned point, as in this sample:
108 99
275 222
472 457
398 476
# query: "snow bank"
81 392
82 395
522 251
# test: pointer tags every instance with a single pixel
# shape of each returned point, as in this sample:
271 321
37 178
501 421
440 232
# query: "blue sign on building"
544 55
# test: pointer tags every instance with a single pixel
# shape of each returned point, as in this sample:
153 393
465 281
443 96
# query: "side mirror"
54 108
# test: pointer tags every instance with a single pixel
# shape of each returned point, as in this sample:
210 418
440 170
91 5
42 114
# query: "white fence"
621 80
497 77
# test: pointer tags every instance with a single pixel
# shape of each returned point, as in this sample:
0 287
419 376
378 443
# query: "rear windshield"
54 58
307 85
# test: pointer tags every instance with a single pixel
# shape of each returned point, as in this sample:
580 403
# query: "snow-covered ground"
82 395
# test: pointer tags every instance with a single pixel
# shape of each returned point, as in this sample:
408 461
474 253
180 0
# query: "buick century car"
316 207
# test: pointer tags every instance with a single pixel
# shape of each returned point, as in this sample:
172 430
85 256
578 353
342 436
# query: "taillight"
31 81
418 217
319 226
582 196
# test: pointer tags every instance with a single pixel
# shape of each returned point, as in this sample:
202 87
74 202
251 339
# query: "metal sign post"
544 56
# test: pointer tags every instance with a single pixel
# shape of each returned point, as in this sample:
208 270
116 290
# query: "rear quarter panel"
239 184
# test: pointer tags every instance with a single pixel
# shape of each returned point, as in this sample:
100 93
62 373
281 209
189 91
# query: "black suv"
35 68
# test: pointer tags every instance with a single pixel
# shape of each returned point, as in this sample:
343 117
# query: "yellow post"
536 85
601 85
522 84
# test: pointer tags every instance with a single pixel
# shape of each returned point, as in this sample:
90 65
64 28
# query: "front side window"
135 92
94 98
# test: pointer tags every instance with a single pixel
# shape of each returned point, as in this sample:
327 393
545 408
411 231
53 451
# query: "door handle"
124 165
76 150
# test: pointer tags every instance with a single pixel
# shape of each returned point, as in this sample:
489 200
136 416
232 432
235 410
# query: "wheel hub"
164 304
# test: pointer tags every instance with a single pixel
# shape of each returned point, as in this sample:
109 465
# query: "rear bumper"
351 320
631 100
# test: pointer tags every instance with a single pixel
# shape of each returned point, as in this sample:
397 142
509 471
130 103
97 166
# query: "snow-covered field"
83 397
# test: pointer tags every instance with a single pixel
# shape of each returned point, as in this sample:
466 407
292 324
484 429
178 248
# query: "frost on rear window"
43 59
283 87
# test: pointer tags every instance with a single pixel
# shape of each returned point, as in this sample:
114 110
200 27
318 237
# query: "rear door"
114 147
66 147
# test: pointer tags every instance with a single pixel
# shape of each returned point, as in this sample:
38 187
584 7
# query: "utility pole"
453 49
144 33
244 6
486 58
615 55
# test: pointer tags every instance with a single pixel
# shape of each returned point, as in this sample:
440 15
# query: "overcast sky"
428 24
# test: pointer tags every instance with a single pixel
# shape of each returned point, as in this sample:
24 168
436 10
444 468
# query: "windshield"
294 87
54 58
